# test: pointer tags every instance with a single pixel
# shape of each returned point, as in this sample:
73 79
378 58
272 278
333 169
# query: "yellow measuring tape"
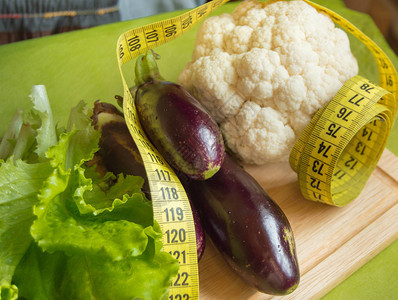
340 148
170 203
333 157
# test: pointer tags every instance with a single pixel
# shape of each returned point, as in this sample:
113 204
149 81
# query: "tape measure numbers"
340 148
138 40
170 203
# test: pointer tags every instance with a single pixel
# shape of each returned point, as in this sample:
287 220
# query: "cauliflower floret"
211 35
259 73
237 41
261 126
211 84
264 71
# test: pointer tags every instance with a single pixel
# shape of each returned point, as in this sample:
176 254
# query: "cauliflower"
264 71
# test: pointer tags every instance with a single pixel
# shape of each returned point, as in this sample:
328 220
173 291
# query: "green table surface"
82 65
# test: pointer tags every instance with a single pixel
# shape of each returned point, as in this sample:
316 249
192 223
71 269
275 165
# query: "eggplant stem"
146 68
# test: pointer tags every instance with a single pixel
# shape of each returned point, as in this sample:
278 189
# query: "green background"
82 65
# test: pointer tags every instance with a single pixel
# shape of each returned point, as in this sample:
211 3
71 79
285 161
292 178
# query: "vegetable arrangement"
249 229
82 219
79 211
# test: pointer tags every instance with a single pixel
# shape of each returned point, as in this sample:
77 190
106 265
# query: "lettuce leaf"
57 276
19 185
66 232
46 133
21 181
32 132
60 226
9 139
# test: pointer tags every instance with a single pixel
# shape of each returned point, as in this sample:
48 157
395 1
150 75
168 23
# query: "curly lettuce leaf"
58 276
38 272
104 225
102 196
31 132
66 232
60 224
9 139
19 185
46 133
78 144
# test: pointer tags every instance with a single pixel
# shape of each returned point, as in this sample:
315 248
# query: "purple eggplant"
247 227
119 154
177 124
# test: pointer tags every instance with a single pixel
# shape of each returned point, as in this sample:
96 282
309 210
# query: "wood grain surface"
331 242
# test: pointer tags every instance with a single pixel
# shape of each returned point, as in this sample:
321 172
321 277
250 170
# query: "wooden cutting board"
331 242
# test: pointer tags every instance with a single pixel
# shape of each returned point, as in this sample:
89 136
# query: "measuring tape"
337 152
171 207
333 157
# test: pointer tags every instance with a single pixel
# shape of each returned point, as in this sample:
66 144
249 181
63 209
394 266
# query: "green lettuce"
66 232
23 169
58 276
19 185
31 132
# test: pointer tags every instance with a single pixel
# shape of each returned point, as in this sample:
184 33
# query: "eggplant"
119 154
247 227
176 123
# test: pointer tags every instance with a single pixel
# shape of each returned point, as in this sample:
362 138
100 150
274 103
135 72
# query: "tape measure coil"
340 148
